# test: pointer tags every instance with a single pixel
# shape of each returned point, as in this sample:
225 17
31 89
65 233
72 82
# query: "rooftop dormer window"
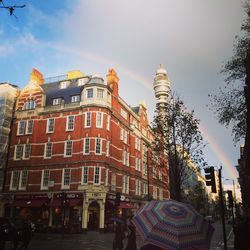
64 84
57 101
75 98
82 81
30 104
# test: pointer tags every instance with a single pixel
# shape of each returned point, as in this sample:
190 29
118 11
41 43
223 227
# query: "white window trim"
24 150
11 180
27 127
100 170
48 125
101 124
100 91
96 139
65 149
67 124
106 177
63 174
18 127
42 180
75 98
45 150
87 93
21 178
84 144
107 148
108 123
90 117
83 183
57 101
15 153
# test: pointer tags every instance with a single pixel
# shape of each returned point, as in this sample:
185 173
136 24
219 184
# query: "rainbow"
216 148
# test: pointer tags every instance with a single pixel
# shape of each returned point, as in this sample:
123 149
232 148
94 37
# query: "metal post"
222 211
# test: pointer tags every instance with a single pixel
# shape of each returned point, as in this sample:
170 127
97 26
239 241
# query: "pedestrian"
131 244
26 235
119 237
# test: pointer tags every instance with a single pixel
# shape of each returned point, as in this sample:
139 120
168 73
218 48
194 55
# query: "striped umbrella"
170 224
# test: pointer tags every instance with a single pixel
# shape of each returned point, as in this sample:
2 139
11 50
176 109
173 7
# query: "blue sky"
192 39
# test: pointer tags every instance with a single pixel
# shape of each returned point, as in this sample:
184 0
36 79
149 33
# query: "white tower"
161 86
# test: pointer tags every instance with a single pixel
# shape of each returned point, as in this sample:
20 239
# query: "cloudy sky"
192 39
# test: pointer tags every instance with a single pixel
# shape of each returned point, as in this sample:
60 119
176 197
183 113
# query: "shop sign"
69 195
30 197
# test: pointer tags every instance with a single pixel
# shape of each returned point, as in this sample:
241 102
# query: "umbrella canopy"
172 225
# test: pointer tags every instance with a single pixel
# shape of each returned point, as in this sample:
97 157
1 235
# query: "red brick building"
75 143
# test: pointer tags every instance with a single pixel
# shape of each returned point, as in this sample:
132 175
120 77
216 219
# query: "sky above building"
192 39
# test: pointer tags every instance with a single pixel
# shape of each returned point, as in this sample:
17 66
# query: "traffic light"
210 178
230 198
117 199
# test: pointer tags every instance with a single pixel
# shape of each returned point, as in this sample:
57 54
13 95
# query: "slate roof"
52 91
136 109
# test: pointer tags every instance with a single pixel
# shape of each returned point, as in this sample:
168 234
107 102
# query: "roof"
136 109
53 90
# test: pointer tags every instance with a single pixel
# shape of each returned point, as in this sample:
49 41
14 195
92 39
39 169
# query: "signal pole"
222 210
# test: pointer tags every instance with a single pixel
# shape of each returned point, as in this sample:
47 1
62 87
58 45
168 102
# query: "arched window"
30 104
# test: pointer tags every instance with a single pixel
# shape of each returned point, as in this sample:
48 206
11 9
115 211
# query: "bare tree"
11 8
177 134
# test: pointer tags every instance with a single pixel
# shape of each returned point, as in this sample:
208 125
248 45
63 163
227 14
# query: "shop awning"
126 205
29 203
123 204
70 202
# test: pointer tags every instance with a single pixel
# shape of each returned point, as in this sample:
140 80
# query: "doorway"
93 216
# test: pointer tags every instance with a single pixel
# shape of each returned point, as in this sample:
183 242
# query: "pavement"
94 241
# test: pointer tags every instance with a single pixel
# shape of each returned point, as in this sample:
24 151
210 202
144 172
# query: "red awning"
29 203
74 202
123 204
70 203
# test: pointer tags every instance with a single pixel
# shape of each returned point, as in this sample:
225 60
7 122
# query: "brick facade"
116 143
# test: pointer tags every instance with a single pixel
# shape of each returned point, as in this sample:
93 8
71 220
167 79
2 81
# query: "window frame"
23 180
70 125
88 117
25 155
29 127
88 91
100 93
45 178
99 119
46 154
85 175
17 147
66 149
50 124
75 98
21 127
85 144
66 177
56 101
14 172
100 145
97 174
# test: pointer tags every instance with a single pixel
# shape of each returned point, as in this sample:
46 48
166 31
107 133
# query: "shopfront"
35 207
